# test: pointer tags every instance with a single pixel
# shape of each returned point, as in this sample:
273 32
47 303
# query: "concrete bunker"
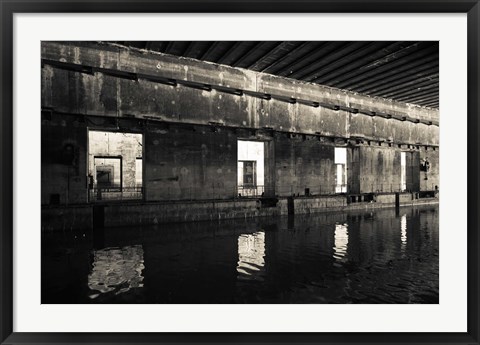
319 156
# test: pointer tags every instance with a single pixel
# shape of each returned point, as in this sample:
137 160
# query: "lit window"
114 165
403 171
250 176
341 170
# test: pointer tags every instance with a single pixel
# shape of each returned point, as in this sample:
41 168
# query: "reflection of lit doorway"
251 256
251 166
341 242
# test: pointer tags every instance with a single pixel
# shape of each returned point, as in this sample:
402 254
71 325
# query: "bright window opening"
139 172
403 171
341 170
251 167
114 166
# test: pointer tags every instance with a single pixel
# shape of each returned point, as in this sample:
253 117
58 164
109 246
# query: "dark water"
367 257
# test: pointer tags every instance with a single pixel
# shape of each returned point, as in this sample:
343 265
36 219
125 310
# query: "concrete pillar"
270 168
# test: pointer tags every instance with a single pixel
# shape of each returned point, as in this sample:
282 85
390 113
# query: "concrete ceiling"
406 71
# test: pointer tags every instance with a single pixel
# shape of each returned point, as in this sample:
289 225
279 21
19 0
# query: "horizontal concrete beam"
355 108
99 79
153 63
138 125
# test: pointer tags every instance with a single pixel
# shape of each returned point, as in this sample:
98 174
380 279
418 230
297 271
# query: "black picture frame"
10 7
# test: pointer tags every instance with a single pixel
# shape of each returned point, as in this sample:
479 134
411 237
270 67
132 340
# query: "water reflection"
403 229
354 257
116 270
341 241
251 254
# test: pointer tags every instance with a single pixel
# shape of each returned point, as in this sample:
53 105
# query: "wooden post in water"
397 204
290 205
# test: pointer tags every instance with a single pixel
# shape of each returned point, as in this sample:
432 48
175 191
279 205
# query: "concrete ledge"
66 218
80 217
319 204
155 213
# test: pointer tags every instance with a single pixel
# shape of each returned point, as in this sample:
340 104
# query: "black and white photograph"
240 172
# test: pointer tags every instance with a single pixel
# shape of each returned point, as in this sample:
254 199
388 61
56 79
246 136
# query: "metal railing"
394 187
311 190
335 189
250 191
219 190
115 193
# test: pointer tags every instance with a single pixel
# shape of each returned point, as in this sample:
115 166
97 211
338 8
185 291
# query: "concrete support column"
270 168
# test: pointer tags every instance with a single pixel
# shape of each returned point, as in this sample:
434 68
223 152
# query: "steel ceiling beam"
229 53
387 84
326 59
306 59
251 52
264 61
358 55
420 95
189 49
429 84
206 55
272 67
366 78
354 65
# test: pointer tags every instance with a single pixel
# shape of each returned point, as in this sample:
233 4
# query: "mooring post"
397 203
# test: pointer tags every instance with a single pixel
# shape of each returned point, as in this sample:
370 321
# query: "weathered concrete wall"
64 162
405 198
303 163
353 170
379 169
190 163
73 92
106 95
121 215
319 204
66 218
430 179
379 128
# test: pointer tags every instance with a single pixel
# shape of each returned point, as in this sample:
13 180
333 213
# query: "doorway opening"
251 168
403 171
108 172
115 165
340 169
